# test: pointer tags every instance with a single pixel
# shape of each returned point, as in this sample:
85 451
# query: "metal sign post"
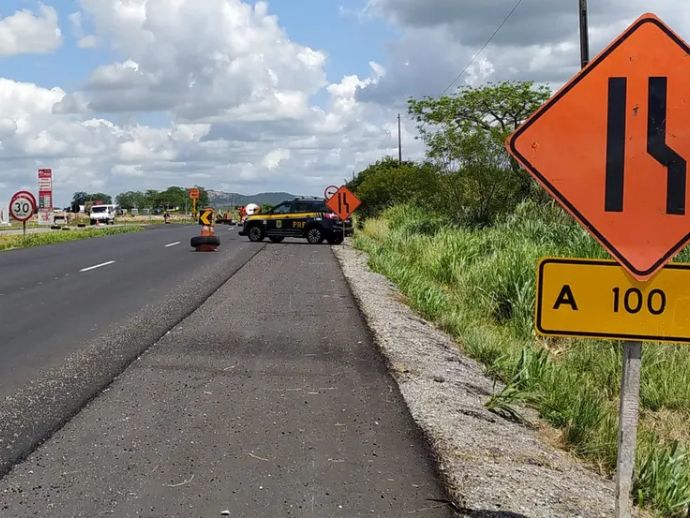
627 426
23 207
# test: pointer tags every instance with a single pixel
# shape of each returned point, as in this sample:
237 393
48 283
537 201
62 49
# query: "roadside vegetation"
11 242
461 235
151 199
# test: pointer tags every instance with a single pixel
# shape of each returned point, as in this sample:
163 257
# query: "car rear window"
302 206
99 209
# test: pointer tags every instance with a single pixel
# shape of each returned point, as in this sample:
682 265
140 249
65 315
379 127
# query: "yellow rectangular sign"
585 297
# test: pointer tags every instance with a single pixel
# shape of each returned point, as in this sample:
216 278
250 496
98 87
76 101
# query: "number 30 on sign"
582 297
22 207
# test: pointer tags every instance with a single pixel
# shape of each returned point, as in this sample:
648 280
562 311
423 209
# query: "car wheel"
315 236
336 239
276 239
93 221
256 233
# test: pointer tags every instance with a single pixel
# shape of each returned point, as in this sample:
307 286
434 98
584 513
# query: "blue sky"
67 68
153 93
349 40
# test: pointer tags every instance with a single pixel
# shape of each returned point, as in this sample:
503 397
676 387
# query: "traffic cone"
207 241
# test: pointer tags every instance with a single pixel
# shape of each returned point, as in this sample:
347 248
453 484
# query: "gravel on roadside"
493 467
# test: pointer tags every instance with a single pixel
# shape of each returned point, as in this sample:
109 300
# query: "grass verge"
479 285
60 236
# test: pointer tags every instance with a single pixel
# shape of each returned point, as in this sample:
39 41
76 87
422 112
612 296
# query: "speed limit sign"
22 206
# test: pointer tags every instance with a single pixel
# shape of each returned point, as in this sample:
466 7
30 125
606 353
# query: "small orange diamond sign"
612 146
343 203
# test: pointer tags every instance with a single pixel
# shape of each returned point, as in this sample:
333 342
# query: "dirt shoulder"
493 467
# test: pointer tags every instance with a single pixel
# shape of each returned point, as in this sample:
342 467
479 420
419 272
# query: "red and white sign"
45 196
45 189
22 206
330 191
28 194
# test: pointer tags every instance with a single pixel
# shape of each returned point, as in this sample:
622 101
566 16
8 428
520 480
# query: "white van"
103 214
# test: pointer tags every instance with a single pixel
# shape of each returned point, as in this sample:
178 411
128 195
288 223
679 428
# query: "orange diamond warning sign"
343 203
612 146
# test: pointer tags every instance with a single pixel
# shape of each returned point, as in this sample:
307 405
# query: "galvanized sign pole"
630 376
627 426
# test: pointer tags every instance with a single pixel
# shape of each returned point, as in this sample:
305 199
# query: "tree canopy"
387 183
171 198
465 134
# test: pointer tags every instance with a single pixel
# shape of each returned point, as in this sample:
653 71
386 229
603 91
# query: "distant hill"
220 199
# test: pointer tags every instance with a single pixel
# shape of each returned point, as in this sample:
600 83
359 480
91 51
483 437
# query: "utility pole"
584 35
399 143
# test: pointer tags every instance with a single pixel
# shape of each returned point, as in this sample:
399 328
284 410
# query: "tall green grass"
479 285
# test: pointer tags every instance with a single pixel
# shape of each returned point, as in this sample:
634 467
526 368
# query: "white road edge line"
173 244
96 266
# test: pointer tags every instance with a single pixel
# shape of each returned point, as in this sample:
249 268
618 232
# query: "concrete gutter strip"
490 464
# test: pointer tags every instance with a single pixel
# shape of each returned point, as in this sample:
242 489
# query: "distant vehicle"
103 214
308 218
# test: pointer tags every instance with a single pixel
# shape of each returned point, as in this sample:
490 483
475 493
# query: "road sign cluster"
611 147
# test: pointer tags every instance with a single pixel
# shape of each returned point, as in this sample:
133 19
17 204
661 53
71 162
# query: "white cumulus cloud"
211 92
25 32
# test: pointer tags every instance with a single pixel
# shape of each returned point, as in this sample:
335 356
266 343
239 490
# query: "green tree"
172 198
387 183
82 198
151 199
131 200
465 135
105 199
79 198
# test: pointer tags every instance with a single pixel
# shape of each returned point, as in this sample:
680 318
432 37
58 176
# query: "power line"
486 44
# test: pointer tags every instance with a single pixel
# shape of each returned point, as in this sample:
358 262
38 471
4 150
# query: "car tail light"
331 215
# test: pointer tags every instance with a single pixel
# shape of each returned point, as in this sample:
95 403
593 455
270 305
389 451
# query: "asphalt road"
51 303
269 400
74 315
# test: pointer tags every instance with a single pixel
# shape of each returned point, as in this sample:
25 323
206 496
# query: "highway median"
17 241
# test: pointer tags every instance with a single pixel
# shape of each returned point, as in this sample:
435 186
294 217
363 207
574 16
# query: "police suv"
308 218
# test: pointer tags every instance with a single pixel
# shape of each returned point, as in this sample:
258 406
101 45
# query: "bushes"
479 286
387 183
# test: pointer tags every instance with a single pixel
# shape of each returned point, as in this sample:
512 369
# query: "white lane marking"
97 266
173 244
